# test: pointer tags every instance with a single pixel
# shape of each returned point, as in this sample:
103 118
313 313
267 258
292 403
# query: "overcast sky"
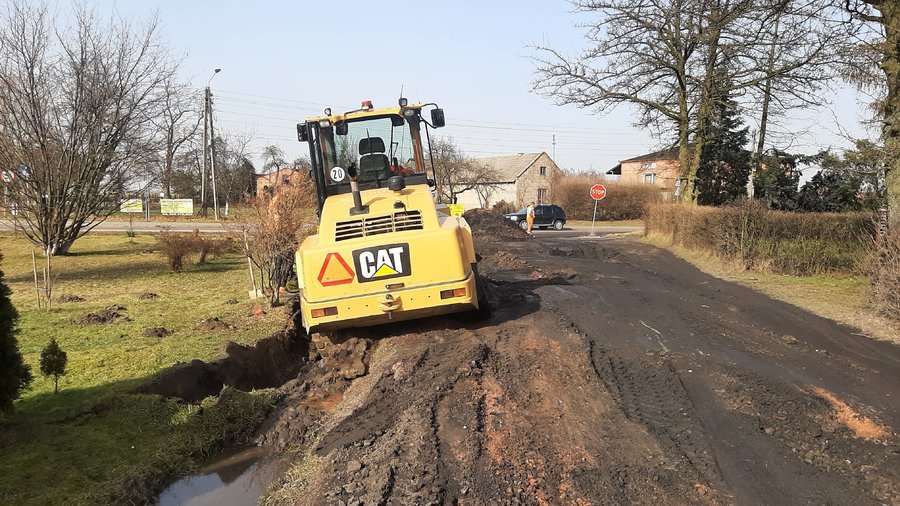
284 61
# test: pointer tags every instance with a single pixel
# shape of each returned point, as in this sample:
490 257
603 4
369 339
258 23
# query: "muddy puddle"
237 477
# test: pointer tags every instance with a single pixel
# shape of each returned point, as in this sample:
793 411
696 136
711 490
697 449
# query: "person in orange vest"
529 216
399 170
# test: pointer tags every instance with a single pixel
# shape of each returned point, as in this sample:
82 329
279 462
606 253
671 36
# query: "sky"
284 61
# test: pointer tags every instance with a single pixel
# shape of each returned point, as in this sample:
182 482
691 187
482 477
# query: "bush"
759 238
504 207
15 375
176 247
884 292
622 201
206 246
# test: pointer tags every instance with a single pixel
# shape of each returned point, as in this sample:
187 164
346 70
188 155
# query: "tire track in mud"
650 392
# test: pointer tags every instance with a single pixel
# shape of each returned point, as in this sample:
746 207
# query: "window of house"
541 195
543 170
649 178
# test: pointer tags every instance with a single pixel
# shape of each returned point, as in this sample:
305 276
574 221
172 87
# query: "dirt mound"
214 324
147 296
498 415
490 226
156 332
500 260
111 314
70 298
269 363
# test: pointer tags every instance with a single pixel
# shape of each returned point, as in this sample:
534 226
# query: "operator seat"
373 163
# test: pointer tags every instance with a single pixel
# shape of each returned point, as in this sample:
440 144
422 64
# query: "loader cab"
371 145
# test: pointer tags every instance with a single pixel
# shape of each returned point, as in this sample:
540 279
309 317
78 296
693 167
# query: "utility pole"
212 158
205 144
209 151
554 147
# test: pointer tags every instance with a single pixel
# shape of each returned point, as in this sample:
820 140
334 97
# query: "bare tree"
178 123
273 158
272 228
456 173
884 48
75 108
664 57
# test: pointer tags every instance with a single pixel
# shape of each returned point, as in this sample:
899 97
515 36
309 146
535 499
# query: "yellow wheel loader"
384 250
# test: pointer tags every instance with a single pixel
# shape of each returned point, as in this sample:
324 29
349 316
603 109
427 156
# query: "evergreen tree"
831 191
777 180
15 375
724 163
53 362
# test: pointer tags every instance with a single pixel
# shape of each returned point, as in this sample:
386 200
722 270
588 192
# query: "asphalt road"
745 390
147 226
218 227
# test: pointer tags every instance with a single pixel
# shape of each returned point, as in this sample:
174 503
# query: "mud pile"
111 314
478 416
490 226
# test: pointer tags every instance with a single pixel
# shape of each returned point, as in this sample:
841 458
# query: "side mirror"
302 132
437 118
341 128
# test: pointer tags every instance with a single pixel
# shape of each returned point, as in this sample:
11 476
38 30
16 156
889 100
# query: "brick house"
521 178
659 168
276 177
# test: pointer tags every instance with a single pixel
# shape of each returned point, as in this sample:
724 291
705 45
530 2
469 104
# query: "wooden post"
37 293
48 284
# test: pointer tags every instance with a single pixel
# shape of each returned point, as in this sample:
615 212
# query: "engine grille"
396 222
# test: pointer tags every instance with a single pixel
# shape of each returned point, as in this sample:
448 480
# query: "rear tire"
484 305
558 224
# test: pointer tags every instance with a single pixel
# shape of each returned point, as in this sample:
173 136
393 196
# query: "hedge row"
759 238
622 201
884 292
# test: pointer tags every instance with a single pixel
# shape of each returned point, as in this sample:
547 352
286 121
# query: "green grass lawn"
94 438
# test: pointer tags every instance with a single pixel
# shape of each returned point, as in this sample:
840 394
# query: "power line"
480 123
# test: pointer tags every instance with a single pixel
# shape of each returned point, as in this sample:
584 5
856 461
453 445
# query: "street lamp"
211 77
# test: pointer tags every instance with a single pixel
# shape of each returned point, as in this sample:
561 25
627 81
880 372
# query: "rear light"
457 292
328 311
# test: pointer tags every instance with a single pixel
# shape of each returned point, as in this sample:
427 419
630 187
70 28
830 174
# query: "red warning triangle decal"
335 272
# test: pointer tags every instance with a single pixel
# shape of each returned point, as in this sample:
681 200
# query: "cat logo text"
382 262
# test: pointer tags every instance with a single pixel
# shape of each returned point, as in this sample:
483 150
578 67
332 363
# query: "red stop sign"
598 191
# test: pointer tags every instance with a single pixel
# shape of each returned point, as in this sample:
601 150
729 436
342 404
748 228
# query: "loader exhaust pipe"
358 207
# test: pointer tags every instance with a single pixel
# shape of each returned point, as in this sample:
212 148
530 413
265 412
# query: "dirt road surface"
609 372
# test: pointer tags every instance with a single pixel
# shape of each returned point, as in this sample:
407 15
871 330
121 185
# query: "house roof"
663 154
510 167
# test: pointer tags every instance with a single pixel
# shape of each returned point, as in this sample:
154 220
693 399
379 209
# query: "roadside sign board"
598 191
132 206
457 209
176 207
